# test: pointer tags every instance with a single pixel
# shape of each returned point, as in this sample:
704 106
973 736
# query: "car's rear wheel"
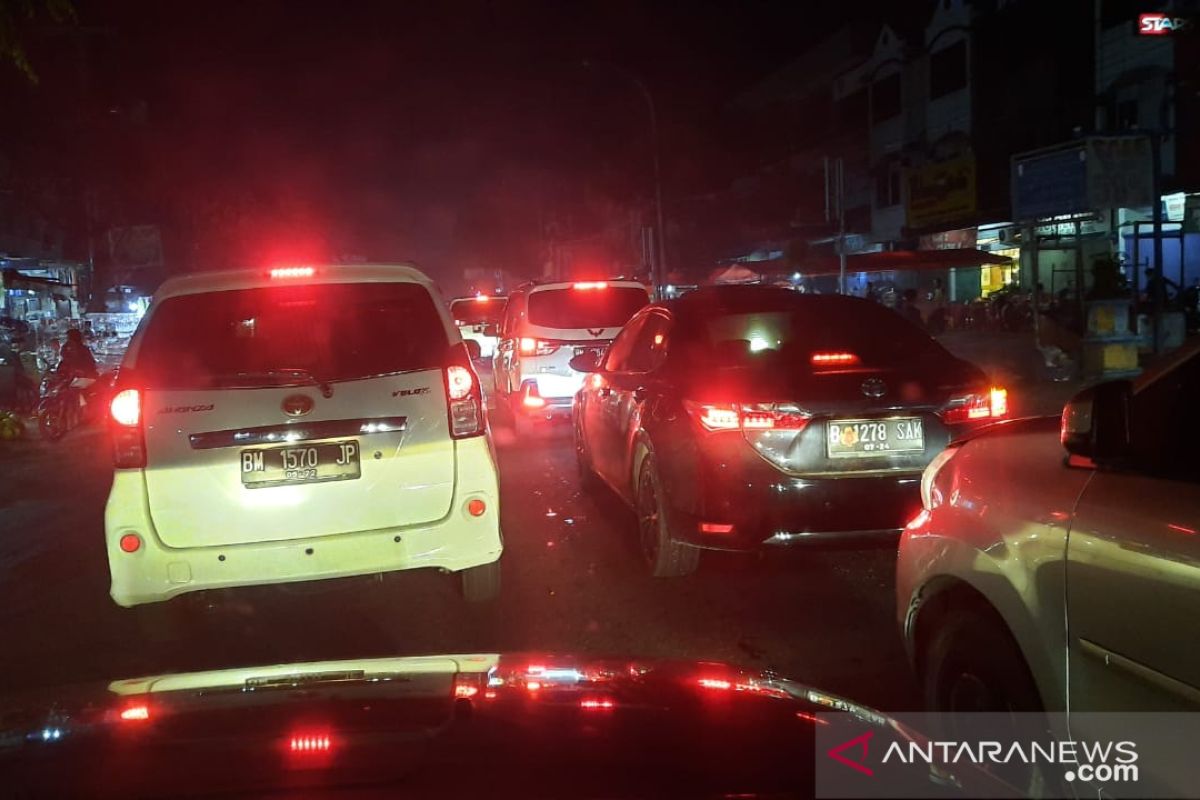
665 557
482 583
970 663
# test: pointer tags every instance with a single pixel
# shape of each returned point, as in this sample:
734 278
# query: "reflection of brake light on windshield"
837 359
278 273
596 704
992 404
311 743
590 285
747 417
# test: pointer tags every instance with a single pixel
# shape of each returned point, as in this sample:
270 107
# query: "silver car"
1056 564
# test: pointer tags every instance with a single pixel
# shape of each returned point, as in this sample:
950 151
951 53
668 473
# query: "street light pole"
658 270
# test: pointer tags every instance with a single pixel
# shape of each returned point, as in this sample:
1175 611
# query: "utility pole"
835 208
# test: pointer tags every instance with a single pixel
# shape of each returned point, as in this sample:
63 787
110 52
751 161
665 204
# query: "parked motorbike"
69 400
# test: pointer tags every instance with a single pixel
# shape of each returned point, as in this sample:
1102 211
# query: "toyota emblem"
873 387
297 405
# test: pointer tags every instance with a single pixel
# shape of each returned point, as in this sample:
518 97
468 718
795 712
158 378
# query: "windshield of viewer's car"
333 331
576 308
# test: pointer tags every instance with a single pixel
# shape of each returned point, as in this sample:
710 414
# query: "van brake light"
284 273
128 442
590 285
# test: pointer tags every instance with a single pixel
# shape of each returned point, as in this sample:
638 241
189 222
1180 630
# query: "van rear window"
593 307
248 337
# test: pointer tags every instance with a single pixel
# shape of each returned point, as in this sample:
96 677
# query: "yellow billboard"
940 193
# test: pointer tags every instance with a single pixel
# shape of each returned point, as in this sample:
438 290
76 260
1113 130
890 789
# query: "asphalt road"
572 583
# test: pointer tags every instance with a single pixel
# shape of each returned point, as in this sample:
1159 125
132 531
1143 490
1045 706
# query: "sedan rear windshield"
477 311
875 334
592 307
266 336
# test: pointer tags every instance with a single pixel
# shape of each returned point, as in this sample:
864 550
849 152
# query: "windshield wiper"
325 387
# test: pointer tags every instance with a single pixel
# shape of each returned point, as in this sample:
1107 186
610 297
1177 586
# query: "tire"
51 422
665 557
481 584
971 663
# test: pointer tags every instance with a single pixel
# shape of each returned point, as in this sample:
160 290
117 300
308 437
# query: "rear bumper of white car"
155 572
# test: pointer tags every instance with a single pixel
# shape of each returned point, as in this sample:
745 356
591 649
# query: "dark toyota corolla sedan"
742 416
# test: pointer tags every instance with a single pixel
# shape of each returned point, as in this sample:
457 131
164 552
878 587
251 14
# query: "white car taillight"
129 447
464 401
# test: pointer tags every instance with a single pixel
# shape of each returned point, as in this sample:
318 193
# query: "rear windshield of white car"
478 311
592 307
265 336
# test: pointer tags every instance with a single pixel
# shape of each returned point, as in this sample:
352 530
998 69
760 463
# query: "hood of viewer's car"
524 725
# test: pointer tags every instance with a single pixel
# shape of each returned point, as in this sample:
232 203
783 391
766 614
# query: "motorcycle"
69 400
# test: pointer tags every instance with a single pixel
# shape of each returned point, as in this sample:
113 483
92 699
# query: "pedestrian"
908 307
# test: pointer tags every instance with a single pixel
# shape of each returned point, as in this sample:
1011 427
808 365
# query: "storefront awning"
895 260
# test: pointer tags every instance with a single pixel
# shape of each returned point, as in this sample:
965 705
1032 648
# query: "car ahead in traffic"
545 326
743 416
1056 562
478 319
294 424
470 725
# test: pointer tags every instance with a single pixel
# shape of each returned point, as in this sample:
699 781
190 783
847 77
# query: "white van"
296 424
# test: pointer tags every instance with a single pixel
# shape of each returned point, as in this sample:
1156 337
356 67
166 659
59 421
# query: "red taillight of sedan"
977 407
746 416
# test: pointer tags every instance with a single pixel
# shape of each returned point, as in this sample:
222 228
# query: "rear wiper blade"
324 386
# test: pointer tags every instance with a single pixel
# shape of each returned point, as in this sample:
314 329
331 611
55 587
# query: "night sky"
440 132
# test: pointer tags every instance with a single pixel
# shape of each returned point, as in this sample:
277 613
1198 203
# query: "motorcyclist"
76 359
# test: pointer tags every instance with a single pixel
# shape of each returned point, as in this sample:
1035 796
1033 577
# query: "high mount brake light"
283 273
590 285
835 359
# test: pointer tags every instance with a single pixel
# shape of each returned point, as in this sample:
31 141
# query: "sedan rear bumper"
769 509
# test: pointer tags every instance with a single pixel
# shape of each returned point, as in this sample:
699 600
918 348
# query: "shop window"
948 70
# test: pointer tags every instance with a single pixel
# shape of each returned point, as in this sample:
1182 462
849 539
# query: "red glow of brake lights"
837 359
594 704
590 285
278 273
126 407
531 398
999 402
464 690
715 683
720 418
311 743
528 345
714 527
135 713
459 382
533 686
482 298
